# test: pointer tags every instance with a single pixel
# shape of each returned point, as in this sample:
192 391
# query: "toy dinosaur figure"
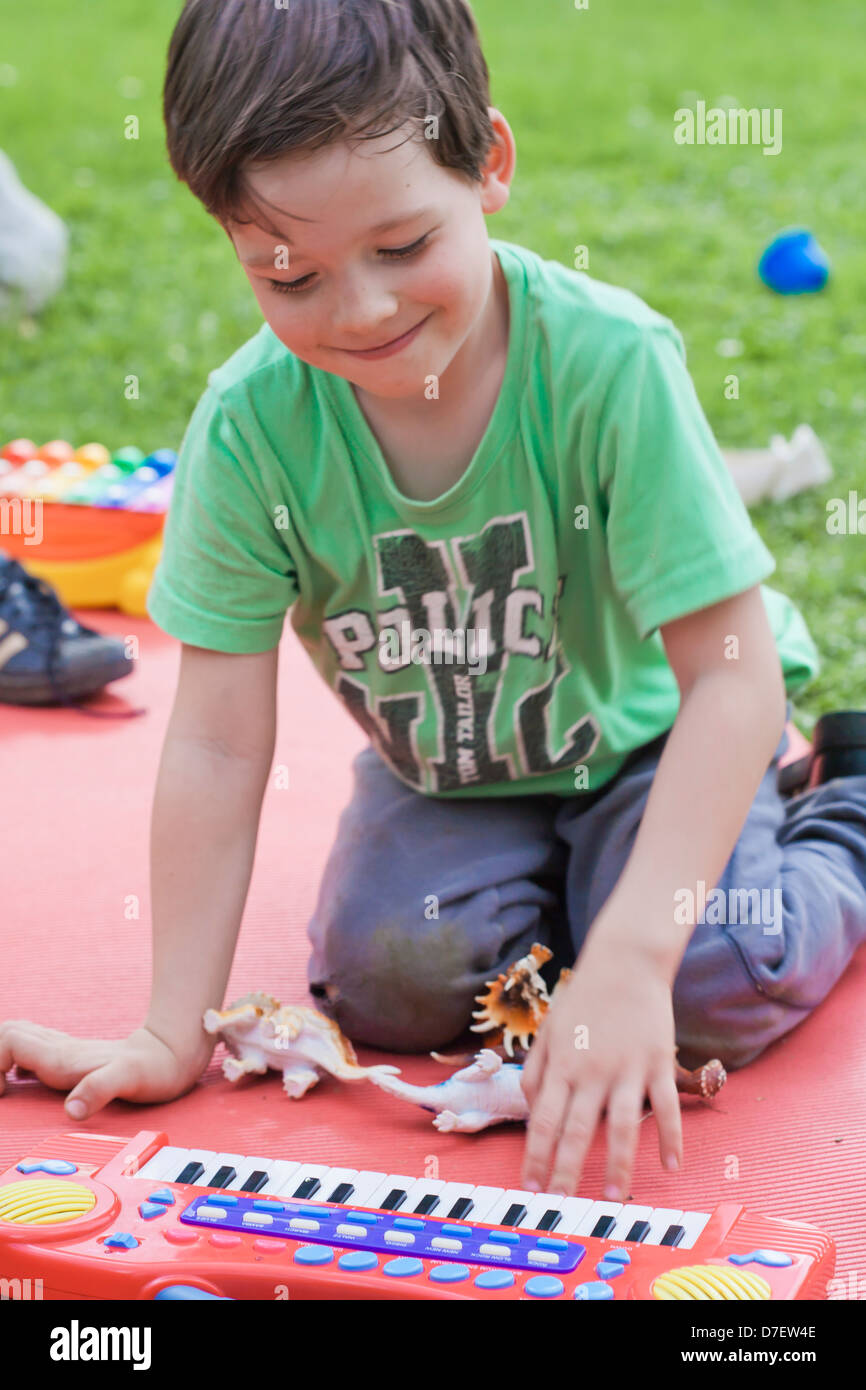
298 1041
515 1002
487 1092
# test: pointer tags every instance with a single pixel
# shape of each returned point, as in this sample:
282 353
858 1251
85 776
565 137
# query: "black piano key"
308 1188
223 1176
427 1204
638 1231
341 1193
191 1173
395 1199
550 1220
673 1235
603 1226
255 1182
461 1209
514 1215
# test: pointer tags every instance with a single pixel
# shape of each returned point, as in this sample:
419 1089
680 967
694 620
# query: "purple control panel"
385 1232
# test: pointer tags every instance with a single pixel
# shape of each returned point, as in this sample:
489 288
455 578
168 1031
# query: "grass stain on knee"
410 972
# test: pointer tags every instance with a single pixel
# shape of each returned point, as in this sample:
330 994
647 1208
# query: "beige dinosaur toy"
300 1042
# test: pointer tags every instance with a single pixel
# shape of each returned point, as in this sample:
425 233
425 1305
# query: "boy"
442 437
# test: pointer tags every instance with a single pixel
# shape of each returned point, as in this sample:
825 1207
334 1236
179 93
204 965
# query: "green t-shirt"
493 640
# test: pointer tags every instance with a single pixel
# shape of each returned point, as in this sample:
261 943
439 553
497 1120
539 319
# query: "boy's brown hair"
254 79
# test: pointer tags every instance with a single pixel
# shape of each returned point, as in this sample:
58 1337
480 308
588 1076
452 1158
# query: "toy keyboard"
96 1216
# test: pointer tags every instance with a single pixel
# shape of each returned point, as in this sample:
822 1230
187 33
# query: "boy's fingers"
96 1089
580 1124
545 1119
665 1102
533 1069
623 1118
25 1045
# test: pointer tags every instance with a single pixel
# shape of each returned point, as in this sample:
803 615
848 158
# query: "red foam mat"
787 1135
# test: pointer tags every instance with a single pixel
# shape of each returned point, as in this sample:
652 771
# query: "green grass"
154 289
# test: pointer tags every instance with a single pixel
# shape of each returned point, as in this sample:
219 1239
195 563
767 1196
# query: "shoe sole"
36 690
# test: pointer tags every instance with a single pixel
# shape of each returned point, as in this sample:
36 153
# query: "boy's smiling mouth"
394 345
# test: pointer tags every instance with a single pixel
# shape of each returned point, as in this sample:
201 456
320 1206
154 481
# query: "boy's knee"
402 985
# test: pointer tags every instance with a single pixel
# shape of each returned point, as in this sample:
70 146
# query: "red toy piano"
89 1216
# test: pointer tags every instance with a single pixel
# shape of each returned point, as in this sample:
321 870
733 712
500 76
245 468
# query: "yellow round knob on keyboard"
715 1282
42 1202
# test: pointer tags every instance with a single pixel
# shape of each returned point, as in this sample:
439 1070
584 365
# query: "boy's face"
356 287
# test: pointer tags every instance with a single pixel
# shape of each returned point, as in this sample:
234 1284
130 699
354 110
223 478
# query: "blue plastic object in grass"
794 263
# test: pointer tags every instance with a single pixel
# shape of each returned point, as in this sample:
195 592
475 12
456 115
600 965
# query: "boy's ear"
499 164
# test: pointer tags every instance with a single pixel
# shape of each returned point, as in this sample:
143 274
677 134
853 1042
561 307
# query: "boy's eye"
393 253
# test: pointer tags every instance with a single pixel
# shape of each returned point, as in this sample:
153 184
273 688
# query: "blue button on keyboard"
544 1286
449 1274
358 1260
402 1267
314 1255
494 1279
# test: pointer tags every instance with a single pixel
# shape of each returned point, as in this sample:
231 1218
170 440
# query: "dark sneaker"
46 656
838 746
838 750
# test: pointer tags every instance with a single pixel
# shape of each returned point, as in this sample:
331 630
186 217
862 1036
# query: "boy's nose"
364 318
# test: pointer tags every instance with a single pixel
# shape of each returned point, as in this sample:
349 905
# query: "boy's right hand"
139 1067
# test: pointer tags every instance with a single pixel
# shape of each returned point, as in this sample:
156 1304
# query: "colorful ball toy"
99 531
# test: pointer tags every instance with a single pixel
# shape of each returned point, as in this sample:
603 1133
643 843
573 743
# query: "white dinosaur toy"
487 1092
300 1042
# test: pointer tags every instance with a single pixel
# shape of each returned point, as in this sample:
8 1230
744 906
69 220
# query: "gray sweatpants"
423 900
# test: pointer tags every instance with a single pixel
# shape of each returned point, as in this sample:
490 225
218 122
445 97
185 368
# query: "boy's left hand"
607 1042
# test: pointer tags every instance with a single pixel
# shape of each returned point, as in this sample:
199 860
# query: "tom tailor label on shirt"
502 618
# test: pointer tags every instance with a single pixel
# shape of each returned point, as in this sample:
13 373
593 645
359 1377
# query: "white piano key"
573 1209
420 1189
245 1167
662 1217
537 1207
694 1222
163 1164
594 1215
483 1201
365 1184
222 1160
388 1183
334 1178
626 1219
204 1156
513 1196
307 1170
454 1192
280 1171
